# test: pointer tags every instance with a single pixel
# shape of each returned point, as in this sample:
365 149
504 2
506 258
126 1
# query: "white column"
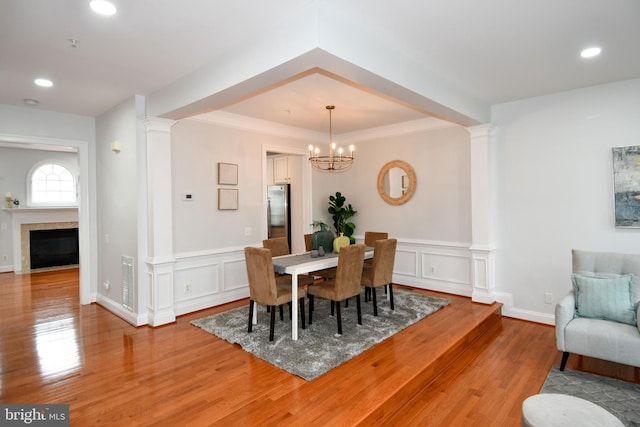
160 260
482 248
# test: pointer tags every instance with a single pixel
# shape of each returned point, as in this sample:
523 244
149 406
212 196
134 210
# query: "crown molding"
237 121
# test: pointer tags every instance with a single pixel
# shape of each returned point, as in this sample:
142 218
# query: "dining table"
303 263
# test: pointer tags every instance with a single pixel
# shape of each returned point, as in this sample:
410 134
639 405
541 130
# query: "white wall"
440 210
117 175
555 190
208 243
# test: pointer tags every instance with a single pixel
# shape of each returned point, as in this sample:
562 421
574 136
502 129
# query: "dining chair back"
381 271
308 242
266 288
370 237
345 284
278 245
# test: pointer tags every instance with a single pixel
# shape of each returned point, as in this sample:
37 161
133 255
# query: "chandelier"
337 160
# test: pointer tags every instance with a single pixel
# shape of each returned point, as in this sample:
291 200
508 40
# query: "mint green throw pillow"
605 298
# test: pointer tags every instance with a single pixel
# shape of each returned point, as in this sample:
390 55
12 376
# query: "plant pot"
322 238
340 242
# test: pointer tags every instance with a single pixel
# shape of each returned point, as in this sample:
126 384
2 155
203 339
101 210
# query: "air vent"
128 288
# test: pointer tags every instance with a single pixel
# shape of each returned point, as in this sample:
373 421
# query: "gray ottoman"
553 410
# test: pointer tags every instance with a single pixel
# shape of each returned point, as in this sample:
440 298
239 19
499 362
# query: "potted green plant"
341 213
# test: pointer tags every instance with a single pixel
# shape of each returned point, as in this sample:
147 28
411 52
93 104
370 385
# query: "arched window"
52 184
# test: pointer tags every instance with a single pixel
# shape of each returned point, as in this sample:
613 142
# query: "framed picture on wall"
227 173
626 186
227 199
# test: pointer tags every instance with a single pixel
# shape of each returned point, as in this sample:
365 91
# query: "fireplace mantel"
48 215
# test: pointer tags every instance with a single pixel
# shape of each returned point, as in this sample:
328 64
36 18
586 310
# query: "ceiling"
493 51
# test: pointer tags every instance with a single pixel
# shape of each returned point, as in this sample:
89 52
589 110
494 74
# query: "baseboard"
134 318
508 310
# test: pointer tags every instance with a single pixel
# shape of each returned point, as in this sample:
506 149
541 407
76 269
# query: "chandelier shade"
337 160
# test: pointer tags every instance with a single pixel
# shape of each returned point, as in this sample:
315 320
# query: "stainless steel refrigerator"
279 211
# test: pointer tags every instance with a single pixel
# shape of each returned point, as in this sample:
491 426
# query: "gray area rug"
621 398
319 348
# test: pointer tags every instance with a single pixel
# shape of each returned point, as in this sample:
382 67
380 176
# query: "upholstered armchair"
598 318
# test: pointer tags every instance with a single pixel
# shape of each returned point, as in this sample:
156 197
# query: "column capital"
479 131
158 124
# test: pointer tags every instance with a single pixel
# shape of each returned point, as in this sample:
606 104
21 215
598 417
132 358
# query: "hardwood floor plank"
52 350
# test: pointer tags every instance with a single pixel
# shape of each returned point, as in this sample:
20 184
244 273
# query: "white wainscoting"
436 266
218 277
206 279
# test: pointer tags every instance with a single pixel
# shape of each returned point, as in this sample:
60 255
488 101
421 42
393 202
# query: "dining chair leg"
311 303
333 305
250 316
374 299
346 303
282 312
391 295
358 309
338 316
273 321
302 313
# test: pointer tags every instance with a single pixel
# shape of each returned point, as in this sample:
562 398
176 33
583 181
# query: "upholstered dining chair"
308 242
280 246
346 283
370 238
267 288
381 271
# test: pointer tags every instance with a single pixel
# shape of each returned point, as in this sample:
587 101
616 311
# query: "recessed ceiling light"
43 82
30 102
590 52
103 7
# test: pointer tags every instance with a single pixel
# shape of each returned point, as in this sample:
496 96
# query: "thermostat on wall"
187 197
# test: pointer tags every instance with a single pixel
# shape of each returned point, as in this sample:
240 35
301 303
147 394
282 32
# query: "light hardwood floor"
53 350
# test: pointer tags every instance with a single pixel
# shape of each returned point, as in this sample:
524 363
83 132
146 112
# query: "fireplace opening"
53 248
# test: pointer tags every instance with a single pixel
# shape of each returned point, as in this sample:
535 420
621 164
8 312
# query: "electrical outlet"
4 257
248 231
106 285
433 269
187 288
548 298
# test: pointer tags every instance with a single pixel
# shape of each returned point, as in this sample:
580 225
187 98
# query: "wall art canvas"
227 199
227 173
626 186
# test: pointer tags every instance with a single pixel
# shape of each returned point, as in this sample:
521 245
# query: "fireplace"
26 220
53 248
